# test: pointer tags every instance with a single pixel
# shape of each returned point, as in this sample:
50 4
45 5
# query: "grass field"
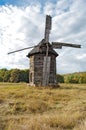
37 108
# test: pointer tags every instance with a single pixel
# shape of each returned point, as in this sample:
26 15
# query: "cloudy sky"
22 24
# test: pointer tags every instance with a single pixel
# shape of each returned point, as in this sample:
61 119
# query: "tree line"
14 75
79 77
17 75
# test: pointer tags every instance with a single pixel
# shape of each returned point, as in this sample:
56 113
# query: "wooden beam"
57 46
46 70
21 49
47 28
60 44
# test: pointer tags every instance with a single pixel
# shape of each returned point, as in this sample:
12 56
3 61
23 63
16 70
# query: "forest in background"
17 75
14 75
77 77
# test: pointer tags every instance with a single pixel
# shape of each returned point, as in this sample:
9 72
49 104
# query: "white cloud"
49 8
81 57
24 26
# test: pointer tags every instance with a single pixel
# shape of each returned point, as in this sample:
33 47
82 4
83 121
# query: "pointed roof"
41 48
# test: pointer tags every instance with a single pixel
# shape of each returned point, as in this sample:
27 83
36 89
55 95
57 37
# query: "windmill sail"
46 64
46 67
59 45
47 27
21 49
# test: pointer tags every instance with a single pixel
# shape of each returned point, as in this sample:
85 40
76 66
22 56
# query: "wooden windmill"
43 58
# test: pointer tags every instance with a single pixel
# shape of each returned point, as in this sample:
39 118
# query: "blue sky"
4 2
22 24
23 2
11 2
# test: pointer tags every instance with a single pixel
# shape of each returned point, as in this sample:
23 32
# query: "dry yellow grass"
30 108
81 126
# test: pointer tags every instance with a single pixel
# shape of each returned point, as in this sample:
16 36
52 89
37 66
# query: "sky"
22 24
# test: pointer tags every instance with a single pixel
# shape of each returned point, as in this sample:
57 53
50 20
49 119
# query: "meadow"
37 108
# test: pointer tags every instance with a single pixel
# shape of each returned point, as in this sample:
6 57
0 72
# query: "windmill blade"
60 44
47 27
46 64
21 49
46 67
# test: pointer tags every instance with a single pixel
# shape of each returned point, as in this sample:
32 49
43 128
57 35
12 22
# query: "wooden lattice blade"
60 44
21 49
47 27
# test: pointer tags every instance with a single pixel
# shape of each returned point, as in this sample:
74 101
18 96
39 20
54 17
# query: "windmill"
43 58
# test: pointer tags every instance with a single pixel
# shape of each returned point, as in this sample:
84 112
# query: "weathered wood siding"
31 72
36 69
52 77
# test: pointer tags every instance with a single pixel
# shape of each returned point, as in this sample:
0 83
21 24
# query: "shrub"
60 78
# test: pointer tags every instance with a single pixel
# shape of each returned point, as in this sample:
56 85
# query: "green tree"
60 78
15 75
24 77
82 78
7 76
1 79
71 78
2 73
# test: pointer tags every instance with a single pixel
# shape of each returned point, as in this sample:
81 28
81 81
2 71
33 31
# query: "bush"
75 78
2 73
1 79
6 77
60 78
15 76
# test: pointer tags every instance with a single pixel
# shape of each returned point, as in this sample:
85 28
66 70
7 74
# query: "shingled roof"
41 48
